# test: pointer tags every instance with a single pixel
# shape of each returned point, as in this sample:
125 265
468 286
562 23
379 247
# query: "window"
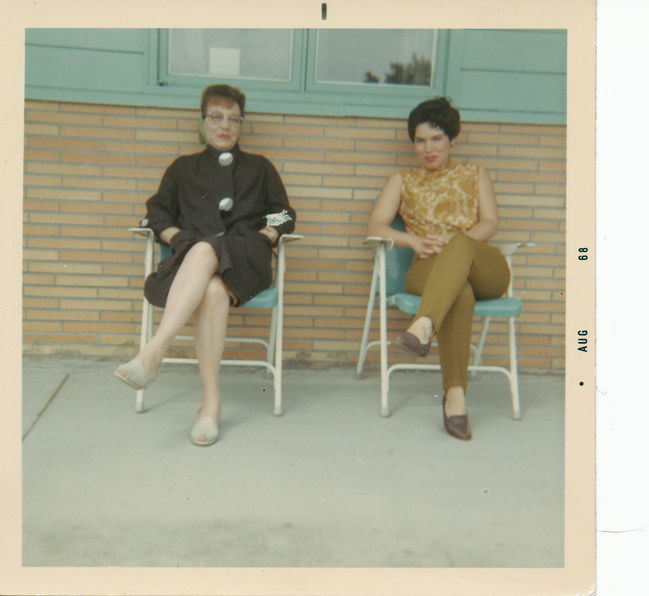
381 56
263 54
324 71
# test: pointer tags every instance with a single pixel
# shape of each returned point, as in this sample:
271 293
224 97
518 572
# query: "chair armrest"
377 241
509 249
285 238
141 231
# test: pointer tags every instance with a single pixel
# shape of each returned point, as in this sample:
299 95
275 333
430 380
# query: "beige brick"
122 172
360 133
41 129
382 146
62 169
533 152
320 120
62 315
63 143
96 109
470 151
286 129
503 139
55 243
282 154
533 129
65 218
555 165
38 279
40 255
498 164
317 192
131 123
165 136
301 180
38 230
353 181
38 154
100 157
75 338
314 168
60 267
41 326
318 143
552 141
90 280
358 157
53 117
34 303
166 152
53 291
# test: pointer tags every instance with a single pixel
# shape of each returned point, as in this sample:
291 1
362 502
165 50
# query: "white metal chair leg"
513 367
383 334
146 330
362 355
478 351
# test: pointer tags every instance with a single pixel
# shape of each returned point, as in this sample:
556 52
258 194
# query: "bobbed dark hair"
224 91
438 112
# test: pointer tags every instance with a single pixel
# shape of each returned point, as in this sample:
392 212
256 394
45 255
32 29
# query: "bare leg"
422 328
186 293
455 401
210 325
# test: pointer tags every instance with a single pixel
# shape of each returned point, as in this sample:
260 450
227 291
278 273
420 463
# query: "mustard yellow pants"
449 284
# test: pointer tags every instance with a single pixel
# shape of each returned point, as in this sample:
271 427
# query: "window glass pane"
383 56
262 54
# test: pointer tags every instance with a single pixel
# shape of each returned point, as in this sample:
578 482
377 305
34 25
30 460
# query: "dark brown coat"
188 198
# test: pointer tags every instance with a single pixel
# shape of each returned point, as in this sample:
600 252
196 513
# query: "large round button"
225 204
226 158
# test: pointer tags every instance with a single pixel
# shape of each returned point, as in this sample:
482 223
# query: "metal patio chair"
391 264
270 299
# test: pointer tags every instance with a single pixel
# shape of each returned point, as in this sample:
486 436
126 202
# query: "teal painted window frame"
302 95
198 82
122 67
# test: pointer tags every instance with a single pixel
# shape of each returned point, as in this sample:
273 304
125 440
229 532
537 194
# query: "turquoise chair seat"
499 307
265 299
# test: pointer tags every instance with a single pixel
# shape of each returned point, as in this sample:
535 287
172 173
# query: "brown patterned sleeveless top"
438 201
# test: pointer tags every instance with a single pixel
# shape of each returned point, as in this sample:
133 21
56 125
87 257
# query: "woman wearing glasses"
221 211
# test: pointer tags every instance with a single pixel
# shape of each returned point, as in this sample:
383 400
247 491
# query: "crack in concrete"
47 403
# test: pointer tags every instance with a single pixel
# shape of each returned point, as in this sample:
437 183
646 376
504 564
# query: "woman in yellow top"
450 213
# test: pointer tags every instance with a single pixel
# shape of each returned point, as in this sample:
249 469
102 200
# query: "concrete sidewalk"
329 484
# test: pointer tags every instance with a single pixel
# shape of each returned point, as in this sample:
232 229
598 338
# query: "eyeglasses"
220 119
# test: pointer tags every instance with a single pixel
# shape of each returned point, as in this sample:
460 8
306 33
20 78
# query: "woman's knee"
201 253
216 295
462 243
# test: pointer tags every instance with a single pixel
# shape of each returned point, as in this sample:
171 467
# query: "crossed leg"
196 289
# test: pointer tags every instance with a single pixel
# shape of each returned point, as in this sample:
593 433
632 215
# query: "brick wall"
89 169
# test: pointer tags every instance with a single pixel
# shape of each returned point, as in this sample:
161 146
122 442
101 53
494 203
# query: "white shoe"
135 376
204 432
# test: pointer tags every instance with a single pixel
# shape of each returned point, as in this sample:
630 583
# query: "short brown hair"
225 91
439 113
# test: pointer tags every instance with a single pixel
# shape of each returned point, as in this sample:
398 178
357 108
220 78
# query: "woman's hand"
271 233
428 246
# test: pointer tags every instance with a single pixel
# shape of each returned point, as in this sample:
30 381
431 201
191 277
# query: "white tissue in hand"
276 219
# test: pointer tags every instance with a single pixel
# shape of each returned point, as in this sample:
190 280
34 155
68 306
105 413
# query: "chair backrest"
397 263
165 251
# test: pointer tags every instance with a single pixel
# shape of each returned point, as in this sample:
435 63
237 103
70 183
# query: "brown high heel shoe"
409 342
457 426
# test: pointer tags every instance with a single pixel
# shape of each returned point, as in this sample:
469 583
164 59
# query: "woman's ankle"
422 328
455 401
